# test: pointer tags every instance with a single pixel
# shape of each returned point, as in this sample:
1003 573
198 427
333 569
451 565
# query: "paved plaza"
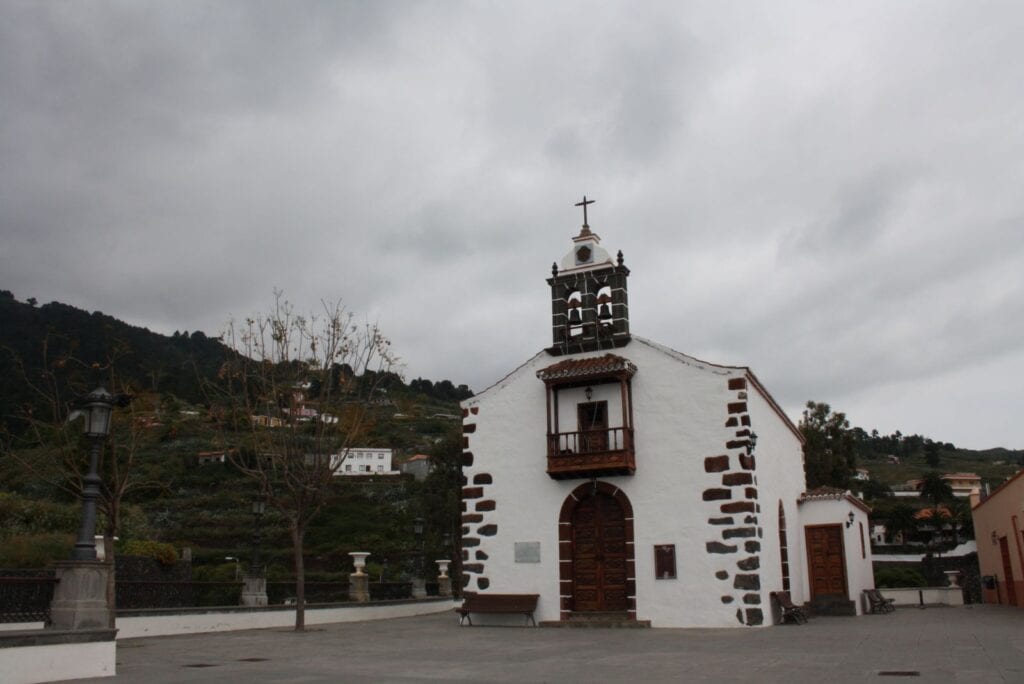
939 644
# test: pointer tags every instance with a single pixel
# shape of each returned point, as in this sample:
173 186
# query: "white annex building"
613 476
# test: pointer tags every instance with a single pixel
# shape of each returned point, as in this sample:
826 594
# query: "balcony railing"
591 453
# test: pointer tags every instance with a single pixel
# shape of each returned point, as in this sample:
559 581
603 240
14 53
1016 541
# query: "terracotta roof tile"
595 365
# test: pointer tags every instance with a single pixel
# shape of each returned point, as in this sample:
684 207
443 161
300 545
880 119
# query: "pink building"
999 529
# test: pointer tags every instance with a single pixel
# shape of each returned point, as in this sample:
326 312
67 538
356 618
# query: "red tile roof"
609 364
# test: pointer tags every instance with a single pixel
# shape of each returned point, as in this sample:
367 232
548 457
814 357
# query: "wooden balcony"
591 453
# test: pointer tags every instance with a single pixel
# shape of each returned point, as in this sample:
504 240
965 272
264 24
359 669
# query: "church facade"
614 476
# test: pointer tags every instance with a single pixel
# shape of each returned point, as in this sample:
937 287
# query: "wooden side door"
599 555
826 560
1008 581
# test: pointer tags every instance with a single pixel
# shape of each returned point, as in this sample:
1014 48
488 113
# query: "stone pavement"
940 644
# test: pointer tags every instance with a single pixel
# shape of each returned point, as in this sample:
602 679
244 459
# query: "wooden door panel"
825 559
599 555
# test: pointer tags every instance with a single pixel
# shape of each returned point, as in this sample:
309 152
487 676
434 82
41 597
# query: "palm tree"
938 492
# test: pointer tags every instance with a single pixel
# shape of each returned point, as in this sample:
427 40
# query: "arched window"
604 305
575 308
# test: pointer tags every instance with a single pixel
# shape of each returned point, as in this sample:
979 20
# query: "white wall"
859 572
679 407
56 662
133 627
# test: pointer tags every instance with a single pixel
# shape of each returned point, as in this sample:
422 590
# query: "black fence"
25 595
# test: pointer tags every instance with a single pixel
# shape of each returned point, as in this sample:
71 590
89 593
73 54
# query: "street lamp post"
98 406
80 598
254 588
259 507
419 584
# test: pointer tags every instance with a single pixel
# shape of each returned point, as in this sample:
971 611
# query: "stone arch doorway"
597 567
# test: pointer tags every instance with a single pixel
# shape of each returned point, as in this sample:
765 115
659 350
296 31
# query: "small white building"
362 461
614 476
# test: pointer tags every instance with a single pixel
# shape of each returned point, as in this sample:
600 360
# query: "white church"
618 478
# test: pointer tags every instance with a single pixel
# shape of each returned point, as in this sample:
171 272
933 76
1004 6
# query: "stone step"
598 620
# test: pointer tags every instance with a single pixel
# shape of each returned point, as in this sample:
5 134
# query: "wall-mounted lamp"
995 538
753 441
589 392
849 520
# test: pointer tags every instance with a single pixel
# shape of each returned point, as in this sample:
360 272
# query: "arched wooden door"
599 555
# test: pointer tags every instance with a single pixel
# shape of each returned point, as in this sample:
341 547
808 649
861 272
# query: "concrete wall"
932 596
680 410
162 623
49 656
859 572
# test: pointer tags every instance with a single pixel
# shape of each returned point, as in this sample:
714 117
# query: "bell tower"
589 302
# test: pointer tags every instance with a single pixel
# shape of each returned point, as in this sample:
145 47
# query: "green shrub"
165 554
35 550
899 577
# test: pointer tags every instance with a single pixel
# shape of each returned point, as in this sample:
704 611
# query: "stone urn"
359 561
953 576
442 567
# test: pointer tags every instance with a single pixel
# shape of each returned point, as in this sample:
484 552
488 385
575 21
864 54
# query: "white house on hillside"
362 461
616 477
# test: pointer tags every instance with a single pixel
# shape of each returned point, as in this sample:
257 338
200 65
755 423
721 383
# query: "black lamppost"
419 589
97 408
259 507
417 529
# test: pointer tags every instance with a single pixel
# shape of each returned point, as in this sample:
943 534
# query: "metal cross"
584 204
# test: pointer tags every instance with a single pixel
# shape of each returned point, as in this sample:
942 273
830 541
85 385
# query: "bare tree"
293 398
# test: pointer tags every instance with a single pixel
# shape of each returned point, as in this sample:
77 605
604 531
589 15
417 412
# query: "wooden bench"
498 603
879 604
790 611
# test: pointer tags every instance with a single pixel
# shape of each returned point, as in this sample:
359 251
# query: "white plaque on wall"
527 552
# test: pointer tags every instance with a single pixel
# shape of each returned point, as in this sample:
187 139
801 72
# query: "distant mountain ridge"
35 339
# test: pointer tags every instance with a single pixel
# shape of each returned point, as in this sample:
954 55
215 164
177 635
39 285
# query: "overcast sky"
829 193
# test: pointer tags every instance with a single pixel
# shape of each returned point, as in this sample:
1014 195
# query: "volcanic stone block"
734 479
480 555
752 546
750 520
727 599
755 616
472 492
468 428
751 492
487 530
472 517
475 568
737 444
732 422
482 479
752 599
738 507
470 541
751 563
716 464
483 583
485 505
718 547
467 458
726 520
738 407
737 383
714 494
747 582
722 575
739 532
